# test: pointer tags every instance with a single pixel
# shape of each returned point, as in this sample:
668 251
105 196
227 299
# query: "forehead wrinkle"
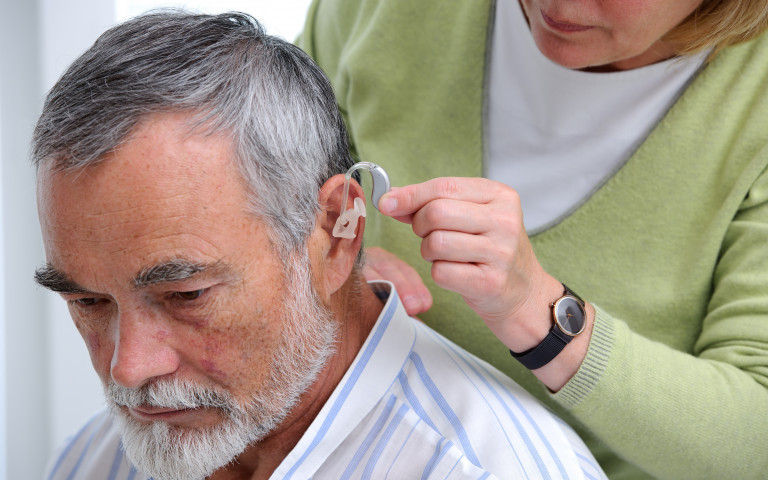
176 270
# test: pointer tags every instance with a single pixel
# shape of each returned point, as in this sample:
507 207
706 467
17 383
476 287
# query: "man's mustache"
174 394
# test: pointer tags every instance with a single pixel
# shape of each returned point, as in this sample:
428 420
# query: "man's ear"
335 255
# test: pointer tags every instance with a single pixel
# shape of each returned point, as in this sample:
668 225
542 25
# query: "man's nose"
143 350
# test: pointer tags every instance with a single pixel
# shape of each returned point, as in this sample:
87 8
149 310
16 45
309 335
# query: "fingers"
482 269
472 231
469 205
450 246
402 202
383 265
501 217
472 281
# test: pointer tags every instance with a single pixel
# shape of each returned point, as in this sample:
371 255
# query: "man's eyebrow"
47 276
176 270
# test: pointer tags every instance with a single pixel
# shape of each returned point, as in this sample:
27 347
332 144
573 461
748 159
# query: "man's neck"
357 307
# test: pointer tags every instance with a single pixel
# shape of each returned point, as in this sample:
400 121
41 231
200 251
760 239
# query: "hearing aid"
346 224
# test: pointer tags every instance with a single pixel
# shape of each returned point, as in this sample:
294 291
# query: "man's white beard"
174 453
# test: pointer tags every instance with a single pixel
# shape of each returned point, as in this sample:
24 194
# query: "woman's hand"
383 265
472 231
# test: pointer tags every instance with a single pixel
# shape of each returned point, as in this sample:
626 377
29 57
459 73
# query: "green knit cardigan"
672 249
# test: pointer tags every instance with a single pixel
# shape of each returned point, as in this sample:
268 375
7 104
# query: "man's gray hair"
269 96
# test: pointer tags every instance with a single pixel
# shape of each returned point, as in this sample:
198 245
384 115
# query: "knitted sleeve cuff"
593 367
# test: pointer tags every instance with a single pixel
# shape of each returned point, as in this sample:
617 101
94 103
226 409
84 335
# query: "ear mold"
346 225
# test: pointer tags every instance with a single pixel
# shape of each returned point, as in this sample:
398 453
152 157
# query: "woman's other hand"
383 265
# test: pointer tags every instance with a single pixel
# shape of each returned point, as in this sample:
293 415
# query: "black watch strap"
551 346
543 353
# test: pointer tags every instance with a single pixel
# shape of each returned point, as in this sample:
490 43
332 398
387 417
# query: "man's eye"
87 302
191 295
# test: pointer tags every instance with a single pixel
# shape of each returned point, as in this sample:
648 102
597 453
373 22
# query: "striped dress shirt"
411 406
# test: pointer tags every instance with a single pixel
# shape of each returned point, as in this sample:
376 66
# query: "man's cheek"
238 358
100 351
213 370
93 342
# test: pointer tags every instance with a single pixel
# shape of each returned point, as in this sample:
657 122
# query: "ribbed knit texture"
591 370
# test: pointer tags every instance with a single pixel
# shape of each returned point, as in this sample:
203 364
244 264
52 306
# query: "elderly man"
189 177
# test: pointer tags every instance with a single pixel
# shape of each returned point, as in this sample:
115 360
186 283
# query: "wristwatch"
569 317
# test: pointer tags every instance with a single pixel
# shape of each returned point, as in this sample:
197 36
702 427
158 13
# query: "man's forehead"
162 167
162 142
162 195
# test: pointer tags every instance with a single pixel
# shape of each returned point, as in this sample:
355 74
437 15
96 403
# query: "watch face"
569 314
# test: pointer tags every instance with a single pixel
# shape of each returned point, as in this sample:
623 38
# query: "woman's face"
605 34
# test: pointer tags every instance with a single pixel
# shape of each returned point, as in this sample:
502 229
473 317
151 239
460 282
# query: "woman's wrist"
533 323
527 326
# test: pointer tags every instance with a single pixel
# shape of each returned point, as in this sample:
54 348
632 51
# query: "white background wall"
3 440
23 312
47 385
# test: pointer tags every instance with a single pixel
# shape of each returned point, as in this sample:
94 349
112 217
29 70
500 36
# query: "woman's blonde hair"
718 24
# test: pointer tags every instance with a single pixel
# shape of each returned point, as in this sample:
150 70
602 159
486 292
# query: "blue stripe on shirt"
446 409
413 400
484 377
384 440
71 444
544 439
453 468
532 423
405 442
582 452
491 409
368 441
85 450
116 462
353 378
442 446
590 468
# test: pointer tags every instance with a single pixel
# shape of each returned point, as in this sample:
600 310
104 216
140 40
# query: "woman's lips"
564 26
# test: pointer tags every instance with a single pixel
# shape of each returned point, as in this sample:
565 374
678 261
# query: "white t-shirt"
554 134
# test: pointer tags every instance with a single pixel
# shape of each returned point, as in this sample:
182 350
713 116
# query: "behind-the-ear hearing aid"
346 224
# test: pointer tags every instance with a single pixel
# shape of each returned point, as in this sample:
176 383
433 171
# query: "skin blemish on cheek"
162 335
210 367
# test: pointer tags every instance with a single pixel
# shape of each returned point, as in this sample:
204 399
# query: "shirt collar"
367 380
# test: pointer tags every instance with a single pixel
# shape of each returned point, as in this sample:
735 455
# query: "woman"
633 136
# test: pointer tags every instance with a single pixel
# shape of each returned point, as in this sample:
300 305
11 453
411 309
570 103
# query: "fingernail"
387 204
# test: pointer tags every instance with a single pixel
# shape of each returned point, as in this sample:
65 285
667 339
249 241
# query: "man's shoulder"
445 359
466 405
95 452
448 414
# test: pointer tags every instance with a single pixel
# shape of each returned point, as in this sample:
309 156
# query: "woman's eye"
191 295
